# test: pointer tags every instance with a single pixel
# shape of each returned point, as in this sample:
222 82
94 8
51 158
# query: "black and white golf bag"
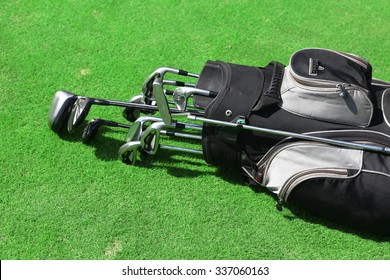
323 93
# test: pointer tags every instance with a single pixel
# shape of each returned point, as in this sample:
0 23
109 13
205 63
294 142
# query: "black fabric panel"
337 67
362 202
243 89
255 144
211 78
377 162
386 105
216 147
239 89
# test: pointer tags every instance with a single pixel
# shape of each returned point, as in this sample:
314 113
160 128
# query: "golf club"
135 129
93 126
162 102
177 83
159 73
128 152
351 145
181 95
60 109
150 138
73 109
131 113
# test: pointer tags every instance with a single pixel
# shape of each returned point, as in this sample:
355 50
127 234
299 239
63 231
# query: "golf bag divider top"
332 97
240 90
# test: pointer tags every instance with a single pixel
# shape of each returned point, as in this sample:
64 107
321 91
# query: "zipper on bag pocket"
306 175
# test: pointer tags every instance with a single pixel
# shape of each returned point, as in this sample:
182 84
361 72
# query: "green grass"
60 199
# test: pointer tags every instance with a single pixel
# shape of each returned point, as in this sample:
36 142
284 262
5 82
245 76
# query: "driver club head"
162 102
78 113
128 152
60 109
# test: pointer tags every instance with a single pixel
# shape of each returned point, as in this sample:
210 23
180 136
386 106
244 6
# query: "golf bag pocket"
347 186
328 86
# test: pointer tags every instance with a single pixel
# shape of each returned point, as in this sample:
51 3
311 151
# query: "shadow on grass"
106 148
299 213
190 166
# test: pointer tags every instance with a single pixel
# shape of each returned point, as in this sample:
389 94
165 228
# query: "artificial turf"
61 199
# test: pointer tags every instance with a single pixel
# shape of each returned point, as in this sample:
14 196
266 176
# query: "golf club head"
128 152
79 112
182 94
61 106
91 130
162 102
135 130
132 114
147 86
150 138
180 97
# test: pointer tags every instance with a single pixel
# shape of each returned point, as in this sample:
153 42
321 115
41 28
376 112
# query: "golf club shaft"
188 105
105 102
177 83
181 135
165 132
180 149
351 145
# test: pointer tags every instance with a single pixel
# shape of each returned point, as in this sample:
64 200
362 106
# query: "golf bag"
323 93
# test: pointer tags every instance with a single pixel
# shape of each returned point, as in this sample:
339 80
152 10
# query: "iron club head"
159 73
91 130
150 138
182 94
128 152
131 114
135 130
162 102
79 112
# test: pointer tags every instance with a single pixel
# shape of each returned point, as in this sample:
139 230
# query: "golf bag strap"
272 95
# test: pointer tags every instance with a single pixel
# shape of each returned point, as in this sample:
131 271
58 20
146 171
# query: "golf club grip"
213 94
182 72
186 73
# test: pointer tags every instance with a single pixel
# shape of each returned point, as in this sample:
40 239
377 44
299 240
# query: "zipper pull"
343 91
279 205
